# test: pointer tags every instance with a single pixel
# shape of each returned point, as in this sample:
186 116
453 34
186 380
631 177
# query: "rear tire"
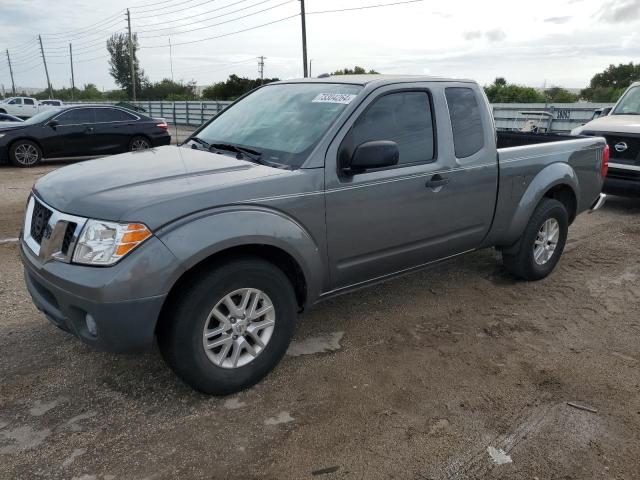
542 242
202 316
25 154
139 143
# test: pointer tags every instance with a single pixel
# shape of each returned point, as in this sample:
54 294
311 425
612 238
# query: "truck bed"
519 139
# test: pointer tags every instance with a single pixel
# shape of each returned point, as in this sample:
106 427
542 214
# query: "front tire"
25 154
230 326
542 242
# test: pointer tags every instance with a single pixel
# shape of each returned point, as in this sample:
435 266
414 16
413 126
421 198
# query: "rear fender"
199 236
559 173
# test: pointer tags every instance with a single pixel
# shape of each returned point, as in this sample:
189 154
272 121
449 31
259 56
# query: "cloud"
494 35
472 35
558 20
620 11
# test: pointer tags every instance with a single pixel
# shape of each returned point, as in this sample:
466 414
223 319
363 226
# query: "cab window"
466 121
16 101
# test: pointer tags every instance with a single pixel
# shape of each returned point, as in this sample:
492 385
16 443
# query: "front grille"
68 237
40 221
631 154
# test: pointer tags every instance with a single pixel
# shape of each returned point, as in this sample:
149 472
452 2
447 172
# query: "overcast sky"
560 42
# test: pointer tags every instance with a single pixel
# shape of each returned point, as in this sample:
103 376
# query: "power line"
364 7
158 14
219 23
152 4
191 16
204 19
88 27
226 34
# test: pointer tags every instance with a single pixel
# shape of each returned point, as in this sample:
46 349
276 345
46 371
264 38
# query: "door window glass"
112 115
16 101
28 101
404 118
77 116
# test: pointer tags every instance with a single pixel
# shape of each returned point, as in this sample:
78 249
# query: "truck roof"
378 79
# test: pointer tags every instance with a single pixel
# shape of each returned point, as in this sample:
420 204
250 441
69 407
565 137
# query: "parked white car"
27 107
23 107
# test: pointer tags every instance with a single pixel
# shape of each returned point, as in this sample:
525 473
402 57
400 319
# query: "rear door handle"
437 182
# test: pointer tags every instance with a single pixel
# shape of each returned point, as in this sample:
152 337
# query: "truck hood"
614 124
155 186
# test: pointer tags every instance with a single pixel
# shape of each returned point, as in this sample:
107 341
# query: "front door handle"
89 129
437 183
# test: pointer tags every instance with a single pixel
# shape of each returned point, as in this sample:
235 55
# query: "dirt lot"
456 372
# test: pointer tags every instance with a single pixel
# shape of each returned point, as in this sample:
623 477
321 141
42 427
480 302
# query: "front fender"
559 173
193 239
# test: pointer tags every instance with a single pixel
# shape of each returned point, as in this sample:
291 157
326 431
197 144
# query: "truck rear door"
437 202
30 107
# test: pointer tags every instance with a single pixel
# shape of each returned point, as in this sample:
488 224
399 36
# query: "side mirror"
376 154
53 123
606 111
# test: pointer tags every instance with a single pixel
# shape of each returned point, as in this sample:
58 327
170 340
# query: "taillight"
162 125
604 168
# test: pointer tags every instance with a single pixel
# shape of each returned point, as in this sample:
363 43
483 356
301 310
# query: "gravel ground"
455 372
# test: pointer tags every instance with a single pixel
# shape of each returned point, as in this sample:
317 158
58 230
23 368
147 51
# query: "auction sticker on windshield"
344 98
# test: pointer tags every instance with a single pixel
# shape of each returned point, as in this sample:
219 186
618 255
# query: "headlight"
104 243
2 135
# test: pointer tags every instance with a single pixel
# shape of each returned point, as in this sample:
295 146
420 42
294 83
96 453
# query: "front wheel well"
278 257
12 142
565 195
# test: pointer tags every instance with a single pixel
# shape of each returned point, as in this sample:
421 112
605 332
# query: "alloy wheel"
546 241
238 328
26 154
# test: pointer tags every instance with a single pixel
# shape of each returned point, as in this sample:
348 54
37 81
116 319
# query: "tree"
560 95
119 63
355 71
502 92
167 89
233 88
607 86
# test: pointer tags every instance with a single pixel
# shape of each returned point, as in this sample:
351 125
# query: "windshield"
630 103
39 117
282 122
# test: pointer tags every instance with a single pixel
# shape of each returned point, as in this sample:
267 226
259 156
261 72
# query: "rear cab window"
28 101
466 121
405 118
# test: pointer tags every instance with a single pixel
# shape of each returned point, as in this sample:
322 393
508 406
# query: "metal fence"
566 116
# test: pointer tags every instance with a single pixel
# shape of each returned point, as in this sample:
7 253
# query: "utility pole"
131 59
310 63
304 38
171 58
13 85
73 80
46 70
261 68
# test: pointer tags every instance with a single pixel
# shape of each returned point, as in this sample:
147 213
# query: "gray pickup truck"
299 191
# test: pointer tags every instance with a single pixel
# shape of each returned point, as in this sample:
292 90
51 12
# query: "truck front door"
430 206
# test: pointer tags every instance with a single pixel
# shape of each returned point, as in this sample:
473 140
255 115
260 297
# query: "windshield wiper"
251 154
201 142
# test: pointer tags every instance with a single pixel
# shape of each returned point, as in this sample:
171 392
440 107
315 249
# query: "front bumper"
123 301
